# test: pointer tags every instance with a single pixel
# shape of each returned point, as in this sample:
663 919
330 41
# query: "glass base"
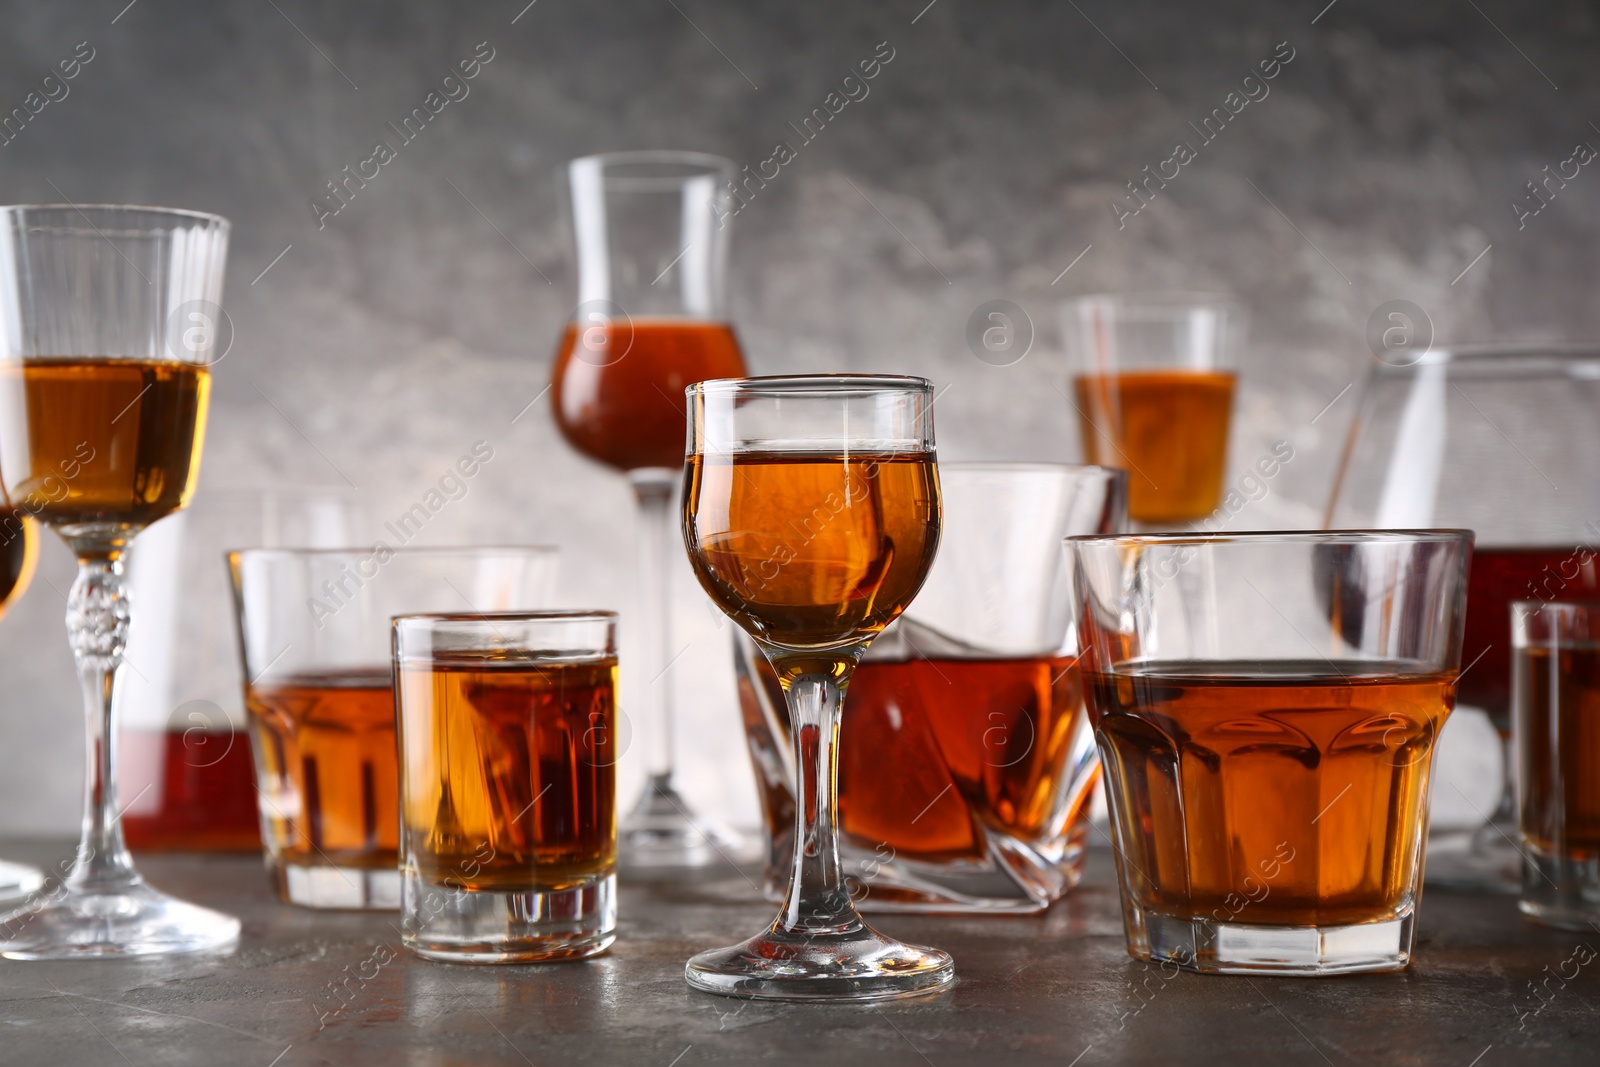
17 883
445 923
859 964
340 888
1561 892
133 921
1240 948
662 833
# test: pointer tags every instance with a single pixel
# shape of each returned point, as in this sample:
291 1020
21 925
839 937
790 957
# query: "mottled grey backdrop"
1381 164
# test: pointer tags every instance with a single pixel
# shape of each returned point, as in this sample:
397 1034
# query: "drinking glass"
19 554
966 765
651 231
1266 707
1504 440
1555 698
1153 386
186 778
811 515
108 321
319 695
508 785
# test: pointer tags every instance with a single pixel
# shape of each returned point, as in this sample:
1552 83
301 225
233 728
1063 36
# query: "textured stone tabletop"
1054 989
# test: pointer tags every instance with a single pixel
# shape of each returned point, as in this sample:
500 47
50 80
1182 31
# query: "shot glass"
1555 723
319 697
1266 707
508 787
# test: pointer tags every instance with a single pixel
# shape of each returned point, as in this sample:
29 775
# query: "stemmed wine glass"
108 321
1504 440
652 242
811 514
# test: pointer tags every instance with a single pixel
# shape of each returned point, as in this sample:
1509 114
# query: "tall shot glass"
508 790
1555 722
1266 707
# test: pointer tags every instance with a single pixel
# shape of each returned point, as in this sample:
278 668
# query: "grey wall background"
1381 165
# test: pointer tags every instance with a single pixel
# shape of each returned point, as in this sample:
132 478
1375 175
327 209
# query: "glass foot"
662 833
1208 947
17 883
135 920
858 964
337 888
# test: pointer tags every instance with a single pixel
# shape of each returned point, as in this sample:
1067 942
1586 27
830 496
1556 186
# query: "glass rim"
775 385
1475 354
410 550
150 209
491 617
1160 298
695 163
1441 535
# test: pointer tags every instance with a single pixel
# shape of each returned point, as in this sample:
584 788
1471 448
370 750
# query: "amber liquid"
206 791
108 440
1168 429
1269 793
812 550
510 780
326 769
618 391
931 747
19 555
1557 708
1500 576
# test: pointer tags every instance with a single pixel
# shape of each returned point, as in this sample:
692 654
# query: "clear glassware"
109 317
1555 697
1503 440
186 778
19 555
319 695
967 764
651 231
508 790
1153 384
1266 707
811 515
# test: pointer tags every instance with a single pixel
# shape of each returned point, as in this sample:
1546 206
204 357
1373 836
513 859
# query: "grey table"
1052 989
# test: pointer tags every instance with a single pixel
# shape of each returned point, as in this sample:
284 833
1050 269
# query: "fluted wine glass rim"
1440 535
82 210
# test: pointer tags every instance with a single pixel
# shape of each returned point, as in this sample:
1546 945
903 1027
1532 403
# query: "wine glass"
19 554
1504 440
652 242
811 515
108 321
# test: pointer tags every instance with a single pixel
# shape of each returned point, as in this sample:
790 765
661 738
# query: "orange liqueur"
1168 429
808 549
1295 780
618 394
329 740
516 784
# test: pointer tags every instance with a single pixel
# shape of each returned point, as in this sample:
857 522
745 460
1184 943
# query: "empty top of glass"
123 220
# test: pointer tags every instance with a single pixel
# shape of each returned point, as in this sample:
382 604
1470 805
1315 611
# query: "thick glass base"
859 964
348 888
446 923
135 920
17 883
1560 892
662 833
1241 948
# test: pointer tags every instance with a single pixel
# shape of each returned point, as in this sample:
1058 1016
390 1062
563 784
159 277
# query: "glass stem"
97 624
818 901
654 489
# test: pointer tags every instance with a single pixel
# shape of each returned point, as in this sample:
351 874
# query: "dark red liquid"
618 394
1500 576
207 786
